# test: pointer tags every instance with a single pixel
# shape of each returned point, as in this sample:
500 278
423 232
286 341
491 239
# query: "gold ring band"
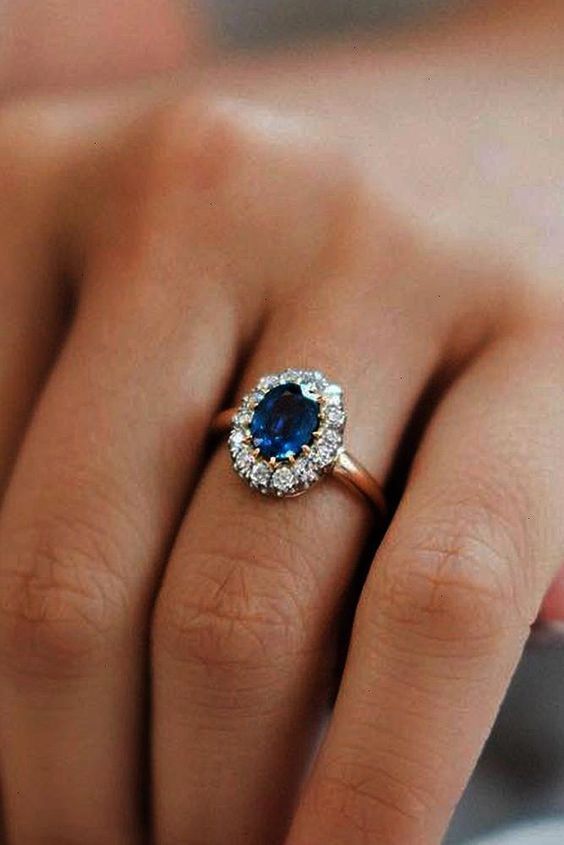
345 468
351 472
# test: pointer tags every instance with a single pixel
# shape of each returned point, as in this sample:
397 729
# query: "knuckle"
173 182
201 141
16 139
61 600
458 580
185 158
239 174
220 143
29 140
18 180
241 613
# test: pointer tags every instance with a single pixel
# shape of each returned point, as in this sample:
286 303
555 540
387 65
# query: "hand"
155 614
68 46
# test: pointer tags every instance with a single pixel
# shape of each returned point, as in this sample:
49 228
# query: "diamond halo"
294 473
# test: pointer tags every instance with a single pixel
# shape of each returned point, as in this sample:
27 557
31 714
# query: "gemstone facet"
284 421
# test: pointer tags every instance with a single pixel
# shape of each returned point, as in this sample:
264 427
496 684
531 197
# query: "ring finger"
245 628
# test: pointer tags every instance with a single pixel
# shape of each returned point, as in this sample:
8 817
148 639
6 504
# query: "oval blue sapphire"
284 421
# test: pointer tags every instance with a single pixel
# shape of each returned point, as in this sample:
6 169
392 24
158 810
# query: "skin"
63 45
170 643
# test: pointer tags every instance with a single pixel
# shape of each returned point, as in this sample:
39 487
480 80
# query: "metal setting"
324 455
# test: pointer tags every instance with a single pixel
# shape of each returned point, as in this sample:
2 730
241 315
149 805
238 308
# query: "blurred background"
520 777
248 23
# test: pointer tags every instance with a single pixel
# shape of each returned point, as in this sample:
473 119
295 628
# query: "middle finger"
103 473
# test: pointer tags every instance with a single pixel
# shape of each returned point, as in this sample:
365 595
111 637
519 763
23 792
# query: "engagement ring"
288 433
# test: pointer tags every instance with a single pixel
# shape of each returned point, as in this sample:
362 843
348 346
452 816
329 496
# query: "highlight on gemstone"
284 421
288 432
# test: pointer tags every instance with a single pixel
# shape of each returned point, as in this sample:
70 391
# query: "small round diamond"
335 415
333 394
244 462
319 380
255 397
244 417
309 389
267 382
260 474
331 438
236 440
293 375
325 452
323 455
283 480
304 471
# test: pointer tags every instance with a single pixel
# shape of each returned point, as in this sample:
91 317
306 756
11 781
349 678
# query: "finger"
53 47
245 633
92 508
85 526
115 444
33 298
447 607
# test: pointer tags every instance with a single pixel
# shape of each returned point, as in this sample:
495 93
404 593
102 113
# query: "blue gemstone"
284 421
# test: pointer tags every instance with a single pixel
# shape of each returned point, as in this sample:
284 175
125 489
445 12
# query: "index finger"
446 609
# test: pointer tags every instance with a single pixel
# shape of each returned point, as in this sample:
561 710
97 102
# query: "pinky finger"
447 607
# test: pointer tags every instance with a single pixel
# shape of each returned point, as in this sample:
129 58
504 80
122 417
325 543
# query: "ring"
288 433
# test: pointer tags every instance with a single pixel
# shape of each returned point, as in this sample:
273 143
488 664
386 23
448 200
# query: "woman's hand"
163 630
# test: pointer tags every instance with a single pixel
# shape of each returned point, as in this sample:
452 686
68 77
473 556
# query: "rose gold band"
351 472
223 420
346 469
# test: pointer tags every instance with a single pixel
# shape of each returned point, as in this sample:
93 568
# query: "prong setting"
294 473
